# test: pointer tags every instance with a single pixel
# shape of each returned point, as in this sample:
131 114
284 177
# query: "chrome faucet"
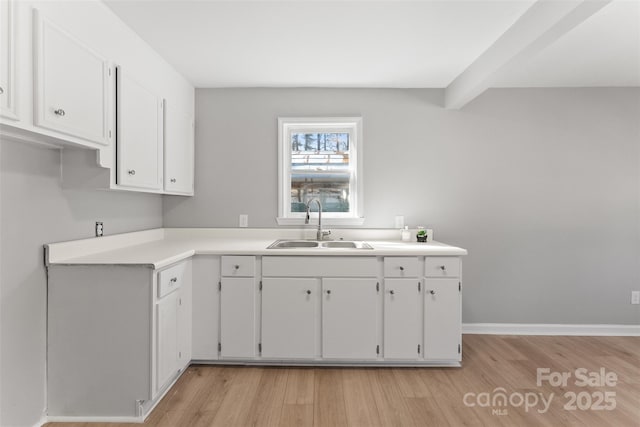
321 233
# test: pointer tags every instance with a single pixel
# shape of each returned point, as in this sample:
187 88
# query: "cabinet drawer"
442 267
171 279
238 266
400 267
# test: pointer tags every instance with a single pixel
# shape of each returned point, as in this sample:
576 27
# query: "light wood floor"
248 396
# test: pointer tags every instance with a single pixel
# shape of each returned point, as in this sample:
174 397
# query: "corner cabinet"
118 337
72 85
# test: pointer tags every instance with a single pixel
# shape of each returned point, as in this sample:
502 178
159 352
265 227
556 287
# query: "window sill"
325 221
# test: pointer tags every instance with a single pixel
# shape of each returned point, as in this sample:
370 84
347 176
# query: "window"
320 158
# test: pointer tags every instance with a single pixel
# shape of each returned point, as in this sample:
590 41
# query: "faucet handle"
325 232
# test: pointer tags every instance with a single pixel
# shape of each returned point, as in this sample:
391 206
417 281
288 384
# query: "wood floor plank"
359 402
235 396
329 403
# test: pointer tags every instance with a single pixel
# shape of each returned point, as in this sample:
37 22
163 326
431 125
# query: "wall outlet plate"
99 229
635 297
243 220
399 221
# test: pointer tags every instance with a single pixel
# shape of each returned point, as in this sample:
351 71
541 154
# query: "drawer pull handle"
174 280
59 112
401 268
432 292
392 292
132 172
443 268
308 292
237 267
173 180
328 291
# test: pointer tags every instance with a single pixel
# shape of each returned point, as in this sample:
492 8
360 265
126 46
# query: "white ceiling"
423 44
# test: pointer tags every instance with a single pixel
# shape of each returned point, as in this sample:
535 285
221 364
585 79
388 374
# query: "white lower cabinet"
117 337
442 319
402 319
290 318
237 317
349 318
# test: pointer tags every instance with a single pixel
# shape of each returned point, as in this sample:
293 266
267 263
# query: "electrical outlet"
99 229
399 221
243 220
635 297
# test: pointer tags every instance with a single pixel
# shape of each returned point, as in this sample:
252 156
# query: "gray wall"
34 210
542 186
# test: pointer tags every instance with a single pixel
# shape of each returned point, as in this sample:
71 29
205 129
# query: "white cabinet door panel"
167 354
349 318
178 151
72 85
139 135
8 33
442 320
402 318
237 317
289 313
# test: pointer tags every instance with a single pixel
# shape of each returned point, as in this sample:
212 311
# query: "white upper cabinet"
72 82
8 108
178 151
139 134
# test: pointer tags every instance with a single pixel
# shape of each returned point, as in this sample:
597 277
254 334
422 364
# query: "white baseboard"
550 329
55 419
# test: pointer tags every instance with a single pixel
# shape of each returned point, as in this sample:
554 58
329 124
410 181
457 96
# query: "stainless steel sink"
314 244
289 244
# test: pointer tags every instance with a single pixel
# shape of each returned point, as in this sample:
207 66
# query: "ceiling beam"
540 26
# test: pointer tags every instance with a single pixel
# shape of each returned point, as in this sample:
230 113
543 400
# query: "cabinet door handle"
237 267
401 268
432 292
132 172
443 268
392 292
59 112
174 279
1 90
308 292
328 291
173 180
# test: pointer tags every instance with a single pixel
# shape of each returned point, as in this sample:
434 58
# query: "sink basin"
313 244
288 244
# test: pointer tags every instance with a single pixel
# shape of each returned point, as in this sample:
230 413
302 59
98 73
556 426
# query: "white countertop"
159 248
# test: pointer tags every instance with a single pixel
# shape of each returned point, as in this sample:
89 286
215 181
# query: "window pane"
320 168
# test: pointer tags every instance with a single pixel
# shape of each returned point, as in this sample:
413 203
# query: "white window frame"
351 125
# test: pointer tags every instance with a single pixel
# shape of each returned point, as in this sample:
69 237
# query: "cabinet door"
178 151
184 321
237 317
167 329
72 85
289 318
402 318
7 60
442 319
349 318
139 134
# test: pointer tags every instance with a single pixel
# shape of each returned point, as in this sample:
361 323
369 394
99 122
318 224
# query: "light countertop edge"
167 250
